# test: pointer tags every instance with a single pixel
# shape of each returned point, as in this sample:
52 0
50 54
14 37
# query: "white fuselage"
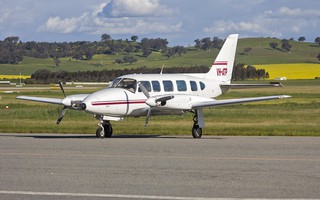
124 98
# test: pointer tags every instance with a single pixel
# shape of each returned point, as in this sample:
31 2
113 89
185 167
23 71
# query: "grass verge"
297 116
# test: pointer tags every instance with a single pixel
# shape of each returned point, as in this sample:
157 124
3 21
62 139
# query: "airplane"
137 95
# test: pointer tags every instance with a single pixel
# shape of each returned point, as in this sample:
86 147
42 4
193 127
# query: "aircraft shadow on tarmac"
63 136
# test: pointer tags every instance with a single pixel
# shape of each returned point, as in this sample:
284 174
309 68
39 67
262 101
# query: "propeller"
61 87
153 101
63 111
61 115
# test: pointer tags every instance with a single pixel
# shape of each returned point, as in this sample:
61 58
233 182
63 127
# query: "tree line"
12 49
240 72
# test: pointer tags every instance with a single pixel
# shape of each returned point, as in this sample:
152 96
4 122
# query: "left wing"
214 103
41 99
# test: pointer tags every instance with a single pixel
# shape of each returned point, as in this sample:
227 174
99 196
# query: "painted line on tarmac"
124 196
162 157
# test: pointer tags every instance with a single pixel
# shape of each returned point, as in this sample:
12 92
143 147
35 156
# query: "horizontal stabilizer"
41 99
248 86
225 102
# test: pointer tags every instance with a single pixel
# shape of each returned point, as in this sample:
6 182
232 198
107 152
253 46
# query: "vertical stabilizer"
222 67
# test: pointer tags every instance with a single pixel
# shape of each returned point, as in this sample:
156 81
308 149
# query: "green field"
261 53
296 116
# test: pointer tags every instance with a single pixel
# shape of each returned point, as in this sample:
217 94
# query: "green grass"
261 53
296 116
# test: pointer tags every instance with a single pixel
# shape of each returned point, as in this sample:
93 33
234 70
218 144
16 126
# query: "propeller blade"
61 115
148 117
61 87
144 90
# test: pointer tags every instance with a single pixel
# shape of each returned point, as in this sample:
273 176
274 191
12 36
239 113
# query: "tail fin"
222 67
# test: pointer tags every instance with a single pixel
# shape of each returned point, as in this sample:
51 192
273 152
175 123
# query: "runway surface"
47 166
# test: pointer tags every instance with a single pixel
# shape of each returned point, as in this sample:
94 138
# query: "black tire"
108 130
100 133
196 131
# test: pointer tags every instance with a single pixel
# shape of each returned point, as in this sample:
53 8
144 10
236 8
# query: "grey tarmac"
61 166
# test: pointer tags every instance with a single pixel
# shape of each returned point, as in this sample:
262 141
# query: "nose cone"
83 106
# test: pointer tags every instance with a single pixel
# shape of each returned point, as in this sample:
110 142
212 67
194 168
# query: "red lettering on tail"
222 71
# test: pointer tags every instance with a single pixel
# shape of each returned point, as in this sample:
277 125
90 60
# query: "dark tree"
302 39
318 56
317 40
273 45
206 44
105 37
247 50
56 61
286 46
217 43
129 59
198 44
134 38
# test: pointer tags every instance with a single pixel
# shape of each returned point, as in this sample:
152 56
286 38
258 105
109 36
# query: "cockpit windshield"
125 83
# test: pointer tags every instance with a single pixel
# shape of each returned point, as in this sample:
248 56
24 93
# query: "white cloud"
96 23
274 23
135 8
298 12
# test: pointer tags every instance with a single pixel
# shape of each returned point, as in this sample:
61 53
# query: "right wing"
41 99
247 86
214 103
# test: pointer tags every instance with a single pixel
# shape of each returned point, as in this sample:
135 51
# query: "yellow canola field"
14 76
292 71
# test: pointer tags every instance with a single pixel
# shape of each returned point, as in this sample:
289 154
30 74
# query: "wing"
214 103
247 86
41 99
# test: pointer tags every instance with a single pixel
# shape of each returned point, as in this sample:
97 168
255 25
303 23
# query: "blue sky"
179 21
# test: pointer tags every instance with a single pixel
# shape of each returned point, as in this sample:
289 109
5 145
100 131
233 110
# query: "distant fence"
87 83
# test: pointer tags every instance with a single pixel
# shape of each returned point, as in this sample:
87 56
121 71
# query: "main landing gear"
198 124
104 129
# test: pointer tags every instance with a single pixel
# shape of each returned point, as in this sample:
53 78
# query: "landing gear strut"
198 123
104 129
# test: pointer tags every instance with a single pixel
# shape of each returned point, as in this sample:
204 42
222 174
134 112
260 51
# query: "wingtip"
285 96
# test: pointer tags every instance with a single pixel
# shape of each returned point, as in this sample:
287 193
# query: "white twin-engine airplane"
138 95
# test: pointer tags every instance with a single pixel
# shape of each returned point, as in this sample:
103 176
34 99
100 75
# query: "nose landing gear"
104 129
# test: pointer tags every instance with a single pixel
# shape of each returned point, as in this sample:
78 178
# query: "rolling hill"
260 54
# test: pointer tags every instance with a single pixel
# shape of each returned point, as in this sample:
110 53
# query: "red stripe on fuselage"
103 103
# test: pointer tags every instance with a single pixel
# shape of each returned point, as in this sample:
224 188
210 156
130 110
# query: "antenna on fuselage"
162 69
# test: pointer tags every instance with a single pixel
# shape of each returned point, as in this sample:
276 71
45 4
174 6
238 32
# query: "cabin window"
126 83
193 86
168 86
146 84
202 85
181 85
156 86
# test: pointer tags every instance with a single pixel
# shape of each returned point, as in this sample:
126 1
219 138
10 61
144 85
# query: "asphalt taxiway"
57 166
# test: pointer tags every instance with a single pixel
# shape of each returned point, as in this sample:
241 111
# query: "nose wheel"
104 129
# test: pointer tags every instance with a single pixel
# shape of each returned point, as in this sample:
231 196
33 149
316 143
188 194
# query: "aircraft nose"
83 106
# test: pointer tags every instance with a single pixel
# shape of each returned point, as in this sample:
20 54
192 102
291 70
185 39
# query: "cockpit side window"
126 83
115 82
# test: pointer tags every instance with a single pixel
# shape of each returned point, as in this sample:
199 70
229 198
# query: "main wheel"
100 133
196 131
108 130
